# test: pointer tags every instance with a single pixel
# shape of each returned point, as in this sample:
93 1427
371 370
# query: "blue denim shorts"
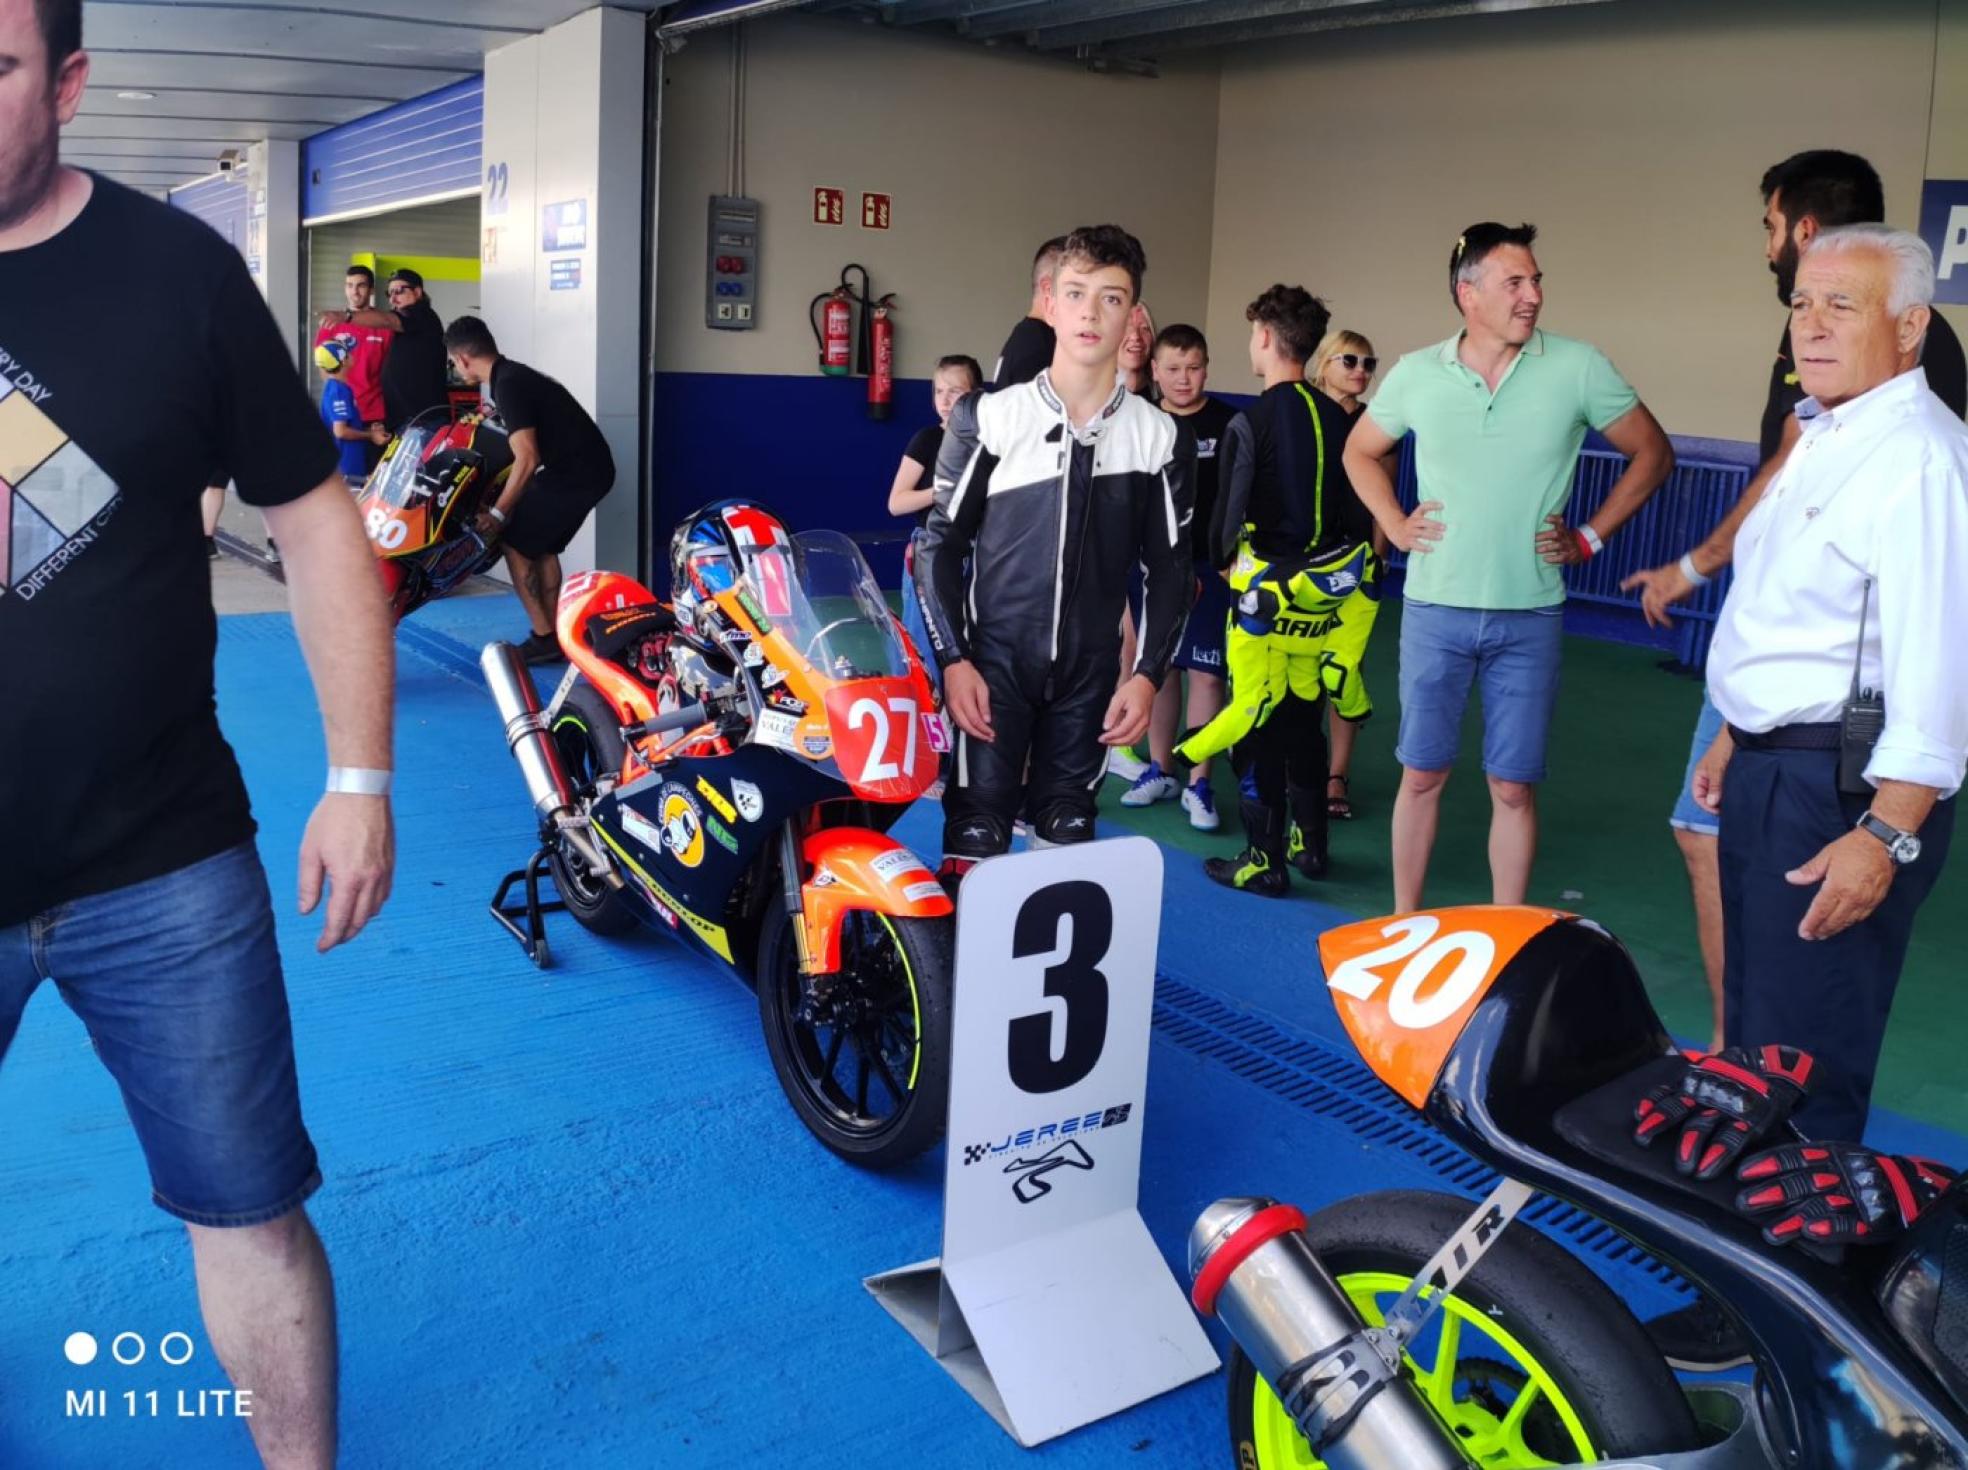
1512 657
1689 815
178 981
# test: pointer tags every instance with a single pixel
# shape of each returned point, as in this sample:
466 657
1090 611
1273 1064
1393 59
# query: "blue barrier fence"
1695 498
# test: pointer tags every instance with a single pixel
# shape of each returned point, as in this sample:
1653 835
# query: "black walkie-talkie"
1862 721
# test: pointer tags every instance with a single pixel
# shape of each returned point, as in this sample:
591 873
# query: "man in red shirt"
370 345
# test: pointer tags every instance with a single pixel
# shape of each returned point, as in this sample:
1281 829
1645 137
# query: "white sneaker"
1150 787
1121 762
1200 803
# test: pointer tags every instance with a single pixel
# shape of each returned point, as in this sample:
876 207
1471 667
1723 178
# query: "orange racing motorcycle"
724 769
420 505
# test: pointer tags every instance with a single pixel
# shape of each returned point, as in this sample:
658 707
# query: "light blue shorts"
1689 815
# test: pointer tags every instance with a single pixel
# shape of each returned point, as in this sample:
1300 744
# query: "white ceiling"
227 72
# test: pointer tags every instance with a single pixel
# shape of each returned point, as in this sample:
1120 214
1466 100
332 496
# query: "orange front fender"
854 868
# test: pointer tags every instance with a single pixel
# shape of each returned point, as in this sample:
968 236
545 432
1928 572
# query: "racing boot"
1260 867
1305 846
951 874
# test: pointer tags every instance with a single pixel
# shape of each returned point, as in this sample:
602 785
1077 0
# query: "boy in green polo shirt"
1499 412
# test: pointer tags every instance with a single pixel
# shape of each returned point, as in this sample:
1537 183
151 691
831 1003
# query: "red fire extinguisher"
834 334
881 372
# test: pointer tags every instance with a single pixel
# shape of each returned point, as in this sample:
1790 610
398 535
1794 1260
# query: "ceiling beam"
918 12
1166 20
1371 13
335 62
1074 12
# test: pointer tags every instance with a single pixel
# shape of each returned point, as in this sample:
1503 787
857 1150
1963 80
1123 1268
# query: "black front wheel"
863 1054
1530 1362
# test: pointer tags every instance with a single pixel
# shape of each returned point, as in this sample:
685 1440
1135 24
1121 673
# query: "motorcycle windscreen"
819 594
1405 986
395 503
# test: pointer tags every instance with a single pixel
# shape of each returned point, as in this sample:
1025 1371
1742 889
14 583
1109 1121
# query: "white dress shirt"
1877 487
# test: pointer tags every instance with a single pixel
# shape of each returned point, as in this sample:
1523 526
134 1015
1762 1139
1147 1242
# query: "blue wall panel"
221 203
428 145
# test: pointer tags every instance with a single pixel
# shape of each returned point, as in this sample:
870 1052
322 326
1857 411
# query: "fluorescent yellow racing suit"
1295 541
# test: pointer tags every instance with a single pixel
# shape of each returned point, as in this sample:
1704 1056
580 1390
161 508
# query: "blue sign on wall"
1944 226
564 274
564 226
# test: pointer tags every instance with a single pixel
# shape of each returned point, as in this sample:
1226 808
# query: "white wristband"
496 514
1693 572
1592 539
358 781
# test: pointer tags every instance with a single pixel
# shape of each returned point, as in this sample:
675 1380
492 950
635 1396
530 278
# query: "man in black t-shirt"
133 875
413 373
561 469
1028 350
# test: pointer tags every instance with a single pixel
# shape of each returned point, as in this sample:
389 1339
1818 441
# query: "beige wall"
965 140
1632 134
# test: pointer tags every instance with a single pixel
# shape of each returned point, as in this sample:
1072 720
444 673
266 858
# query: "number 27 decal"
880 765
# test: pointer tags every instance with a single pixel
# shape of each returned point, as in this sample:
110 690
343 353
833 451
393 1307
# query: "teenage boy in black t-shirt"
1180 363
914 491
132 874
561 469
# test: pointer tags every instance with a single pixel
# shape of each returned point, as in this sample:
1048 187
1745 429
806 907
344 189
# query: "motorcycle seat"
612 632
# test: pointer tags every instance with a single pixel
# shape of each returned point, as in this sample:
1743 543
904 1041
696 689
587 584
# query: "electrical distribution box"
731 289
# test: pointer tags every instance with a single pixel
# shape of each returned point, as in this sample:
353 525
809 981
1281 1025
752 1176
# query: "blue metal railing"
1695 498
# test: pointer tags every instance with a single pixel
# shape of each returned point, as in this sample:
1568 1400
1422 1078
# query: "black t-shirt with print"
414 373
114 767
923 448
1940 355
574 457
1208 423
1027 353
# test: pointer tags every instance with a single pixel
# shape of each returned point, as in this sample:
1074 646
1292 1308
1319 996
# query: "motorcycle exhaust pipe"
1253 1268
506 675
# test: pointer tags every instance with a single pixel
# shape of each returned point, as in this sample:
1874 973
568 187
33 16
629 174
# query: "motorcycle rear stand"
533 938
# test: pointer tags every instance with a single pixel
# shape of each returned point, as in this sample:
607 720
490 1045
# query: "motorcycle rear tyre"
588 736
1574 1329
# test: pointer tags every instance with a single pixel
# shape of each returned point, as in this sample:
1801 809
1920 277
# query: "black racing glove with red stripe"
1837 1193
1724 1103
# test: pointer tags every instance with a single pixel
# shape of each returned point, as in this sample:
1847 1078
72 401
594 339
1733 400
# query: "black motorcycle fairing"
1569 1015
1924 1290
635 814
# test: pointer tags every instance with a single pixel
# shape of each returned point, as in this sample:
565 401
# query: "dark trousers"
1829 996
1281 770
1047 761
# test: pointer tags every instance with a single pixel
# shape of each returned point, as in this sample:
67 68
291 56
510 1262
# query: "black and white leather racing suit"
1052 521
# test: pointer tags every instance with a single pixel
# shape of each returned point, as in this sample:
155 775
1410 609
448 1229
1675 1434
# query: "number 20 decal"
1424 948
879 766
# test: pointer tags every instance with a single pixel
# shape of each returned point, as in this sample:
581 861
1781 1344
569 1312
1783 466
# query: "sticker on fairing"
751 801
642 829
715 797
928 888
936 731
896 863
818 747
777 729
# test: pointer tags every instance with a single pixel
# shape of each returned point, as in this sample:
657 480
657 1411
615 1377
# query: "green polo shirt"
1499 462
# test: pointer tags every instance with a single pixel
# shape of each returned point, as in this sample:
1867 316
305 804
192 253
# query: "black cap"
408 277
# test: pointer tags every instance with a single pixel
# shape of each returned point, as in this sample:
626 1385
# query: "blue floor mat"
572 1219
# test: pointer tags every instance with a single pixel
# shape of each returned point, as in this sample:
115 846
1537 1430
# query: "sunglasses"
401 290
1352 360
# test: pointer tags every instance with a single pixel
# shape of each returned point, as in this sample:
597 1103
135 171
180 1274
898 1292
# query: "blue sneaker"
1151 786
1200 802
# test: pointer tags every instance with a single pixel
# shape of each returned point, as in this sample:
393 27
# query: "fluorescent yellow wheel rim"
1489 1416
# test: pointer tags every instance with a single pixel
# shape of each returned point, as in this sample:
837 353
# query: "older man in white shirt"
1855 560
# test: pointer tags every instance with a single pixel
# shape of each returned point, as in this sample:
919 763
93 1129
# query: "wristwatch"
1902 847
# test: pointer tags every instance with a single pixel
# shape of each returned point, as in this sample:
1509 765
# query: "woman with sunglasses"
1342 368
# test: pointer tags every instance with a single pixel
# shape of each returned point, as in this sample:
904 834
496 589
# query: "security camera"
232 160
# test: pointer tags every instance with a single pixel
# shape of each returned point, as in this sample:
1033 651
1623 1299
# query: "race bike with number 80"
730 767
